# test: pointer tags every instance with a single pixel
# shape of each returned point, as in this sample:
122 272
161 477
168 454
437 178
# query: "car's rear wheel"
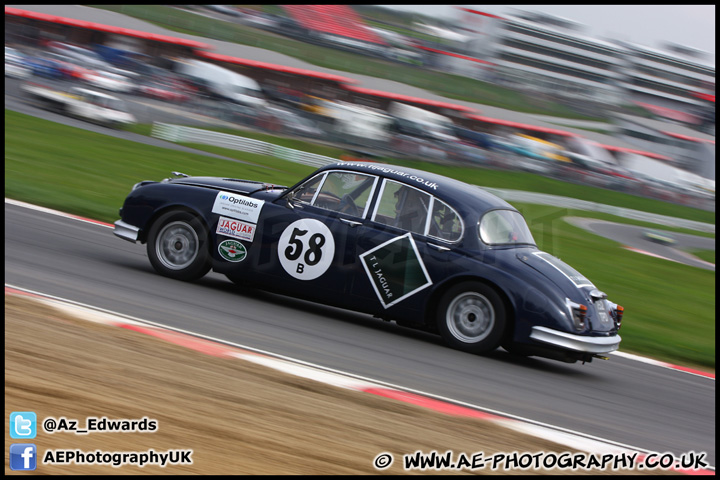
471 317
178 246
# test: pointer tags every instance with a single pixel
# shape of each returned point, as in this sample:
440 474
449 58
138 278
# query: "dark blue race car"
424 250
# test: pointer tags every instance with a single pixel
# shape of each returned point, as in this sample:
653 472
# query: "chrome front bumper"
126 231
577 343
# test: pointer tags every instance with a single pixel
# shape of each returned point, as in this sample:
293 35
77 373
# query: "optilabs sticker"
238 206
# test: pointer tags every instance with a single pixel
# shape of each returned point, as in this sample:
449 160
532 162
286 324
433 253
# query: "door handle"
439 248
352 223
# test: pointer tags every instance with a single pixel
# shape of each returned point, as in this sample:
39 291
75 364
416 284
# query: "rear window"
504 227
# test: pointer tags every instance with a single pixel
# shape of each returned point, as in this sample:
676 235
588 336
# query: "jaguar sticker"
232 251
236 228
395 270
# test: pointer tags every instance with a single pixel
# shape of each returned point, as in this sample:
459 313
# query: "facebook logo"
23 425
23 456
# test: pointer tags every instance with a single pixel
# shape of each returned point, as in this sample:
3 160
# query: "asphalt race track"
632 236
621 400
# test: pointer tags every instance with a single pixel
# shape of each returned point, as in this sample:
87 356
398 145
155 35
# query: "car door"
309 235
406 246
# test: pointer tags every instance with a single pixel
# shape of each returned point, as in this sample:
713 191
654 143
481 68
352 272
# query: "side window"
343 192
445 223
403 207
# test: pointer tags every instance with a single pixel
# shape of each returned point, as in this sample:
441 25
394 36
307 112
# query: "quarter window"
445 223
306 192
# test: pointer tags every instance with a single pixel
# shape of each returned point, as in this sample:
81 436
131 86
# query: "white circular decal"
306 249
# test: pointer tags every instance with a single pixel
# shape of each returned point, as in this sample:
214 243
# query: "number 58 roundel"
306 249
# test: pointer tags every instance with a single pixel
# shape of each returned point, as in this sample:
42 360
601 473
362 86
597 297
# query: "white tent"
442 33
591 150
662 172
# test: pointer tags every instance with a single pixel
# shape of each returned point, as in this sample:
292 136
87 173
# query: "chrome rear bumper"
577 343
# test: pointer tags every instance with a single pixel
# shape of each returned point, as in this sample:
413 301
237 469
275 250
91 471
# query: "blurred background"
521 90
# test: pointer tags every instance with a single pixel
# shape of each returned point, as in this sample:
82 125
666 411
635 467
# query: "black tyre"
178 246
471 317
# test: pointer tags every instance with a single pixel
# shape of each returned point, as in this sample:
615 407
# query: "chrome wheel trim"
177 245
470 317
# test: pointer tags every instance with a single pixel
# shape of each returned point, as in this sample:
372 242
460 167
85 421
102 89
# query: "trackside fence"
179 133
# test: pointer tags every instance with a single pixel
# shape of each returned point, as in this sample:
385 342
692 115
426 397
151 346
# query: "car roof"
460 195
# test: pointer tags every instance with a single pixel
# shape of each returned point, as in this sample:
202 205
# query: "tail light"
617 313
578 314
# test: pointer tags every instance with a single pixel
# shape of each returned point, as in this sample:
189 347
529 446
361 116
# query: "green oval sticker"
232 251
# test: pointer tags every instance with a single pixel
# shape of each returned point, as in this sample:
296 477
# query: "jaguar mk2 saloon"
426 251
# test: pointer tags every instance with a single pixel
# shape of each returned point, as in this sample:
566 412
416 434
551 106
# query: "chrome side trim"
126 231
576 343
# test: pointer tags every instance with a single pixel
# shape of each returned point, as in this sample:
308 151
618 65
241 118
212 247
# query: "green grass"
484 177
667 304
670 308
706 255
90 174
514 179
450 86
537 183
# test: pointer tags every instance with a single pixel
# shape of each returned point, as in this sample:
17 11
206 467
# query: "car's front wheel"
471 317
177 246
